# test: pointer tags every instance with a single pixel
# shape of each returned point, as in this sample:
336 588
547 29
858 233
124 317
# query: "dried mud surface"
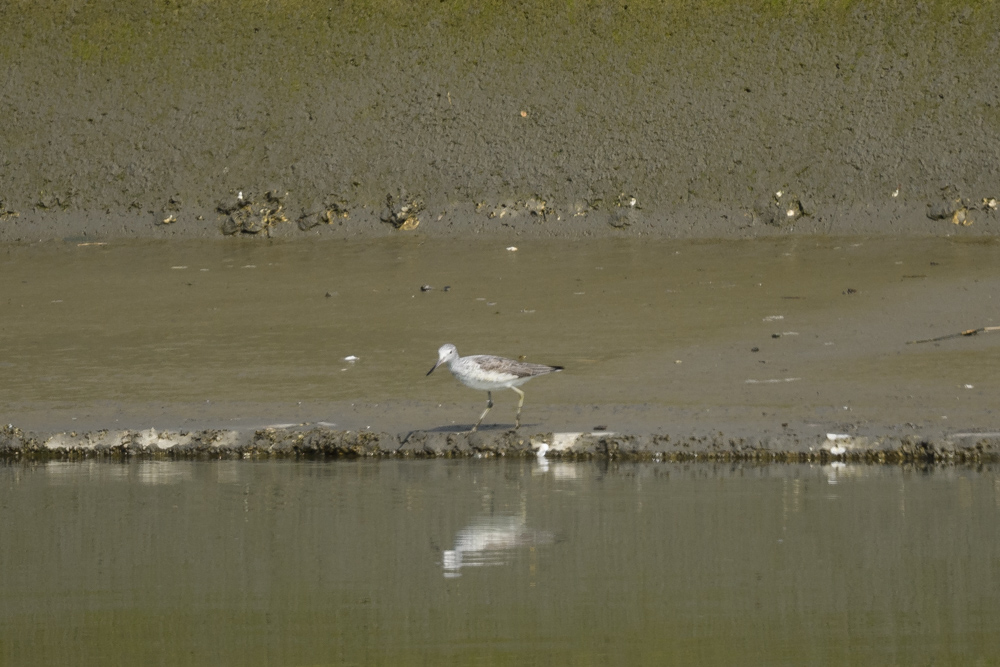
689 119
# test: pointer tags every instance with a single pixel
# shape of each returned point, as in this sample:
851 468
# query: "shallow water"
234 333
497 562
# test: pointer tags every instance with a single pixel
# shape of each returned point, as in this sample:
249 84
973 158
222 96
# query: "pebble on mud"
944 209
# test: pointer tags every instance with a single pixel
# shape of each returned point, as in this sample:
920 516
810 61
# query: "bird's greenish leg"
520 402
489 404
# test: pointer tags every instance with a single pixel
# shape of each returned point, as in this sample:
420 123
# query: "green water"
497 562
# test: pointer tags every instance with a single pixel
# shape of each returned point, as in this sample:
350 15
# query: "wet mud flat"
782 349
540 119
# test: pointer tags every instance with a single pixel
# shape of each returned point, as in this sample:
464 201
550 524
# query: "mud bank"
684 119
286 442
742 345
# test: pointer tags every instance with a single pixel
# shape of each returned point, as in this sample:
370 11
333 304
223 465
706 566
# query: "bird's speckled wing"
490 363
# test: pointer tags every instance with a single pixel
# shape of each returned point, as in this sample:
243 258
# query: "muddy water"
686 334
450 562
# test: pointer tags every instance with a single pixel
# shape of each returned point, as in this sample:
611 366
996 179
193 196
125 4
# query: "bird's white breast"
474 376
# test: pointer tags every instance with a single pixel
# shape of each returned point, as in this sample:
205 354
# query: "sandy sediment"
16 444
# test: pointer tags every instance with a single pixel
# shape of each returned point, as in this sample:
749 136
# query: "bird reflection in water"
491 540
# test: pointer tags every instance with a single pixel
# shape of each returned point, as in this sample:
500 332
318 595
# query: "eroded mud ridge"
294 442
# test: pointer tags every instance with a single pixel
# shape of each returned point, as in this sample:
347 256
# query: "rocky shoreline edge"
320 442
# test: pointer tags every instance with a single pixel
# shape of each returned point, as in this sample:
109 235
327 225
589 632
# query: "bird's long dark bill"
433 369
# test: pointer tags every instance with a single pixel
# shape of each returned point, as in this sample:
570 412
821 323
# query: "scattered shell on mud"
247 216
170 212
326 212
781 208
6 211
403 211
536 207
624 212
958 210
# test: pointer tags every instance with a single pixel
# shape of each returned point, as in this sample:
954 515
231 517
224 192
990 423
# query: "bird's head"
446 353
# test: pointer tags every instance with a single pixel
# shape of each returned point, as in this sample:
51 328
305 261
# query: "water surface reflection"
491 540
341 562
